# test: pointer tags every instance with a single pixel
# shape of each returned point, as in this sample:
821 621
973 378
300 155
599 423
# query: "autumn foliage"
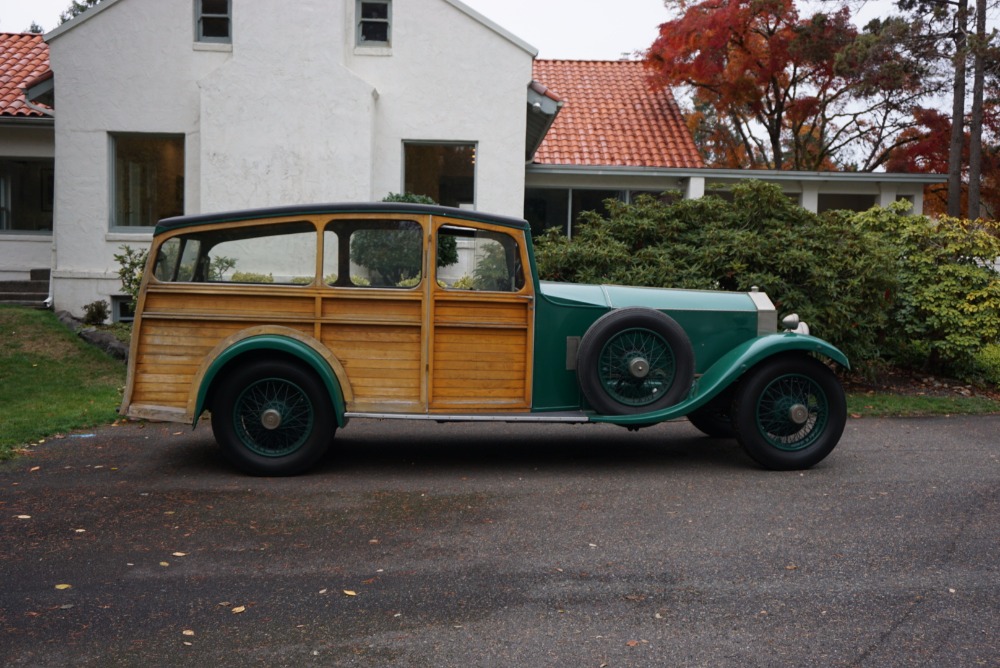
772 89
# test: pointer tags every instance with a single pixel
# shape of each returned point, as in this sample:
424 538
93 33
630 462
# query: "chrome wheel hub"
270 419
639 368
798 413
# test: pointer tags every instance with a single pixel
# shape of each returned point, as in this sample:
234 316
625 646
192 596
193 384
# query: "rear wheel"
715 418
790 412
272 418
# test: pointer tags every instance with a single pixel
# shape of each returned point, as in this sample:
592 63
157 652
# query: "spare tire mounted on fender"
634 360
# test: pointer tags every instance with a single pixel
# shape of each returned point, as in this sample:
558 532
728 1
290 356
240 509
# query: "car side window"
378 253
279 254
473 259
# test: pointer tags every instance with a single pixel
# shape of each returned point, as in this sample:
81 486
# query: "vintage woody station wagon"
286 323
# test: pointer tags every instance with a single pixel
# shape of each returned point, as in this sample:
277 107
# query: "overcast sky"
575 29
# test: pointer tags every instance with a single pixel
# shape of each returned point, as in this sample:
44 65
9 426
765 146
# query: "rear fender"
289 343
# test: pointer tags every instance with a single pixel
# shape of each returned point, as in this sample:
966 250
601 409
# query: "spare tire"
634 360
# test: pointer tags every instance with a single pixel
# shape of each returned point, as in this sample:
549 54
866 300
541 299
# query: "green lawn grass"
51 381
898 405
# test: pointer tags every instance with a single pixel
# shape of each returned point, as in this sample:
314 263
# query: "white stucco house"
141 109
179 106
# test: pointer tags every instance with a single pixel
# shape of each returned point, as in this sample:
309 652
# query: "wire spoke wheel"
789 412
637 366
273 417
792 412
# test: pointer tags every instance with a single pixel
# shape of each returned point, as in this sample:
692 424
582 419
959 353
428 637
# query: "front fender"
728 370
294 346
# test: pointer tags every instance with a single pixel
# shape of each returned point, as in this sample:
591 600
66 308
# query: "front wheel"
790 412
272 418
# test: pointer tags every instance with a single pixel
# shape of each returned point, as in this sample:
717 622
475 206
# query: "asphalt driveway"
473 545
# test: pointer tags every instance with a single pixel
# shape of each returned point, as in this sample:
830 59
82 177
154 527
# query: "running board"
564 417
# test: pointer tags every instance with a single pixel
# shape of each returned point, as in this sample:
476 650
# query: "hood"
662 299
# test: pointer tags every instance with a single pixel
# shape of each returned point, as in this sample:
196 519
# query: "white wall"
450 78
290 113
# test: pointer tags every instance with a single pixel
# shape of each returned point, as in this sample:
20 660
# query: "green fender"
280 344
727 370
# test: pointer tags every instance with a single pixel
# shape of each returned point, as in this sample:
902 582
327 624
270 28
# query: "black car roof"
168 224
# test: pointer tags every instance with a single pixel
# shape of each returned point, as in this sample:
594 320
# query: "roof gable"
611 117
23 58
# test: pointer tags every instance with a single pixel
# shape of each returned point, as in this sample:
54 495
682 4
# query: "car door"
480 321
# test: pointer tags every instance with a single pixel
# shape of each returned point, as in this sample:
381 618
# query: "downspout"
42 110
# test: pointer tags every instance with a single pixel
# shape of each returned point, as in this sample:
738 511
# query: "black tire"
715 418
272 418
634 360
789 412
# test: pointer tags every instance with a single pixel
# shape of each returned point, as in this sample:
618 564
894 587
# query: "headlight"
791 323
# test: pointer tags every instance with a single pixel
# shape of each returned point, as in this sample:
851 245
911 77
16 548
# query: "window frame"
114 224
200 15
361 21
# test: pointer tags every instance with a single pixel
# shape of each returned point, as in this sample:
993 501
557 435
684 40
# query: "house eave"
543 107
782 175
734 174
23 122
506 34
79 20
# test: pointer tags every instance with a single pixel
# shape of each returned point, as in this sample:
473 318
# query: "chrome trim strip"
567 417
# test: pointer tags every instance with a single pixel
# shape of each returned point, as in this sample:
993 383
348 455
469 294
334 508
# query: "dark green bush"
95 313
825 268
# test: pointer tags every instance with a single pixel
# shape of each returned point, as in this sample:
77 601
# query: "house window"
374 22
444 172
122 309
26 196
213 21
148 180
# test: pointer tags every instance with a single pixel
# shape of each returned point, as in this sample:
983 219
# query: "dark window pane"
374 32
212 27
26 195
215 7
444 172
149 179
375 10
545 208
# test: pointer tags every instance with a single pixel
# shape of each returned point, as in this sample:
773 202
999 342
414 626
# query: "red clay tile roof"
611 117
23 57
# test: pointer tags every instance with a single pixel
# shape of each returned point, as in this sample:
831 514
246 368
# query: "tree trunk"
958 112
976 124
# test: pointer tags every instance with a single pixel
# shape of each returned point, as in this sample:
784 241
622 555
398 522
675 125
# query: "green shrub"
464 283
251 277
825 268
989 364
946 309
96 313
131 264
